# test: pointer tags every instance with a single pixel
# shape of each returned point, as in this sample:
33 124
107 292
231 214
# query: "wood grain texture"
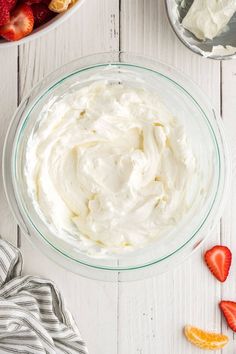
153 312
143 317
8 104
228 220
94 28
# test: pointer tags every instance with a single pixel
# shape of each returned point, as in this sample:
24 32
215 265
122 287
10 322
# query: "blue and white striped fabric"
33 317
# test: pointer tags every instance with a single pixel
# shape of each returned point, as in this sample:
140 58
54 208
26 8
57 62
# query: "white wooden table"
144 317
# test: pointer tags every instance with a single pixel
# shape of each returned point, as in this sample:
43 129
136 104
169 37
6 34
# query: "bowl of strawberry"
23 20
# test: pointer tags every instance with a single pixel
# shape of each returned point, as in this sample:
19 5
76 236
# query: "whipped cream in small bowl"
206 27
116 163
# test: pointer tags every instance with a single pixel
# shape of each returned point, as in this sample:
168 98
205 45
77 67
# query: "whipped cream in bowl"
206 27
116 166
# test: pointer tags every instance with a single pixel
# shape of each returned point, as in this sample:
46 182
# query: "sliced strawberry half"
229 310
4 12
20 25
42 14
218 260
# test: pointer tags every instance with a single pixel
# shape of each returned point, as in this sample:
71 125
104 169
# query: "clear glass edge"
146 264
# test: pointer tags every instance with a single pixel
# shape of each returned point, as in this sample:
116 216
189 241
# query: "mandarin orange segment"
73 2
59 5
205 340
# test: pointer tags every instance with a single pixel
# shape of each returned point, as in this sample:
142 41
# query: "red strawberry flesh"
11 4
20 25
31 2
218 260
4 13
229 310
42 14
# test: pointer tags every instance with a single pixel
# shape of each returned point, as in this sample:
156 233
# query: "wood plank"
8 104
95 28
154 311
228 220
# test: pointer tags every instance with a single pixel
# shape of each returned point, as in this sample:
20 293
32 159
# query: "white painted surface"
8 104
144 317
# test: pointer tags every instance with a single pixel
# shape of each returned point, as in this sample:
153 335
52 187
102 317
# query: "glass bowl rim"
65 76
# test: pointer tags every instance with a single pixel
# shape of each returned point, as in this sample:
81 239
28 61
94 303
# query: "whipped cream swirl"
109 166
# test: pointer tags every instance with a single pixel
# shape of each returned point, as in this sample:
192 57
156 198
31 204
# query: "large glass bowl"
205 134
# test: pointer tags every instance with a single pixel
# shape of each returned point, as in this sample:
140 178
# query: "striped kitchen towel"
33 317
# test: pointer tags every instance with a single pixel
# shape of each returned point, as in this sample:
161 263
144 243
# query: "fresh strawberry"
4 13
218 260
42 14
10 4
229 310
21 24
32 2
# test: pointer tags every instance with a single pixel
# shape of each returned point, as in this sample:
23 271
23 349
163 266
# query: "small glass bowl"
204 130
222 47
